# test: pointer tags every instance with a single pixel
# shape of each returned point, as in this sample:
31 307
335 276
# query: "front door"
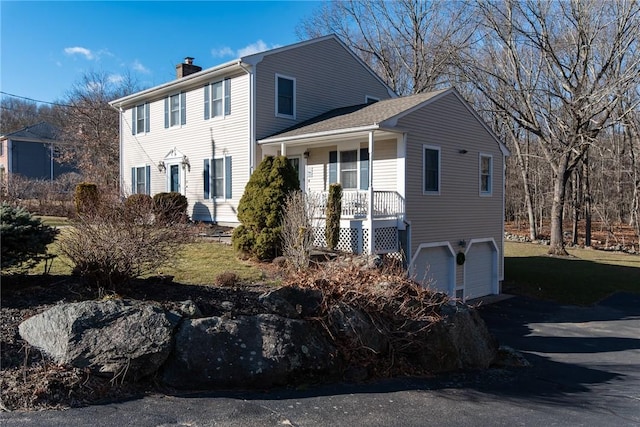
174 178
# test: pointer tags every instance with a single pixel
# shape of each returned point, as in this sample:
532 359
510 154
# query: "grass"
583 278
53 221
197 264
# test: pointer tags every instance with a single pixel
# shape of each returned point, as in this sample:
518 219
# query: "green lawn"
53 221
198 263
585 277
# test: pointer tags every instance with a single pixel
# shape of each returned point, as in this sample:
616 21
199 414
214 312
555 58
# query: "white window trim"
224 179
355 148
134 185
285 116
179 124
145 106
424 167
481 192
224 114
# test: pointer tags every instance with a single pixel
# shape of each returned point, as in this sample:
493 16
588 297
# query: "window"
140 119
431 162
218 95
486 162
217 178
350 166
175 110
140 180
349 169
285 97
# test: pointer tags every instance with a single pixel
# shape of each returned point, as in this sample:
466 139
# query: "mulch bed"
29 381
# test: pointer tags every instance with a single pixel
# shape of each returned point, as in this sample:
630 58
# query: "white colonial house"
422 175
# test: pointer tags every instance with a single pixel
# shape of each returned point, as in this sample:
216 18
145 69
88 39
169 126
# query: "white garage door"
434 267
480 274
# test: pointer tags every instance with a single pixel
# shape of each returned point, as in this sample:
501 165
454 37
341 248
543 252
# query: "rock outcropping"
289 343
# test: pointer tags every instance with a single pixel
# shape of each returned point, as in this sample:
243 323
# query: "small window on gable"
140 119
175 110
486 166
371 99
285 97
431 169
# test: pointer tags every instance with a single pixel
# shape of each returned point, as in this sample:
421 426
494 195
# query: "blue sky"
47 46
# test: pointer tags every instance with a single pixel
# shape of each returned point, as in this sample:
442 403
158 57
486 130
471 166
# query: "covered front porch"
370 167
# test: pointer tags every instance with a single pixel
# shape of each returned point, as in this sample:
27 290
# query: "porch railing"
386 204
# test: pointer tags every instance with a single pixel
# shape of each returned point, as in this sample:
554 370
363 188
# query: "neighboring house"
32 153
422 175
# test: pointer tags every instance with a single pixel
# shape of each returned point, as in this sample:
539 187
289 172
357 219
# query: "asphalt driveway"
585 371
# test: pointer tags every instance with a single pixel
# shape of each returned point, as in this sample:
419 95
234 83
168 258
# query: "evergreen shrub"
334 209
86 198
260 208
170 207
24 238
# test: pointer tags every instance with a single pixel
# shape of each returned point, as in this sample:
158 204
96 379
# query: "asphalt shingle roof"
42 130
356 116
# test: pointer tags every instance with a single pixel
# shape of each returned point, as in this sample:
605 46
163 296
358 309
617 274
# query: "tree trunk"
524 172
586 191
575 189
557 210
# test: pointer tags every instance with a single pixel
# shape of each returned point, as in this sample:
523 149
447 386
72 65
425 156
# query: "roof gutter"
334 132
191 79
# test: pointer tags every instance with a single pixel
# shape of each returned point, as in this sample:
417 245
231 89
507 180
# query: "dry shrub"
297 229
111 246
41 196
227 278
399 308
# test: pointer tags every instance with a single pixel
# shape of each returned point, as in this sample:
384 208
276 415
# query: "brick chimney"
186 68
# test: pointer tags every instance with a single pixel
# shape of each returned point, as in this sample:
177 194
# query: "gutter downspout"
252 121
120 144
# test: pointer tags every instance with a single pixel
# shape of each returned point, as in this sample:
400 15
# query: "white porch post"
283 149
372 237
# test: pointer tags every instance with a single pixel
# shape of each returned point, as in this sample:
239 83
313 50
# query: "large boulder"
460 340
292 301
356 329
259 351
113 337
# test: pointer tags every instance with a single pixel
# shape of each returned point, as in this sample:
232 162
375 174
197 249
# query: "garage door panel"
480 270
432 267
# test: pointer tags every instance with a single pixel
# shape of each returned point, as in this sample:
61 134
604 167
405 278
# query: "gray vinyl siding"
459 212
197 139
327 77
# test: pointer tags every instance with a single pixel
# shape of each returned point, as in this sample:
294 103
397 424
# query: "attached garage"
434 266
481 269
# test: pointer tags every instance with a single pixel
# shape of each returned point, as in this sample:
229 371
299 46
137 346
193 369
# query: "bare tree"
409 43
557 69
18 113
91 127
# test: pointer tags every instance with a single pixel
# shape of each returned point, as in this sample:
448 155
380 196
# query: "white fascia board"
175 85
319 134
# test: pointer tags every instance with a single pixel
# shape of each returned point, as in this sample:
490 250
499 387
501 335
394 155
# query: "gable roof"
381 115
42 131
238 64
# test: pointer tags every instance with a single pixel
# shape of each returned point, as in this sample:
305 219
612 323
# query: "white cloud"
137 66
115 78
259 46
222 52
77 50
256 47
